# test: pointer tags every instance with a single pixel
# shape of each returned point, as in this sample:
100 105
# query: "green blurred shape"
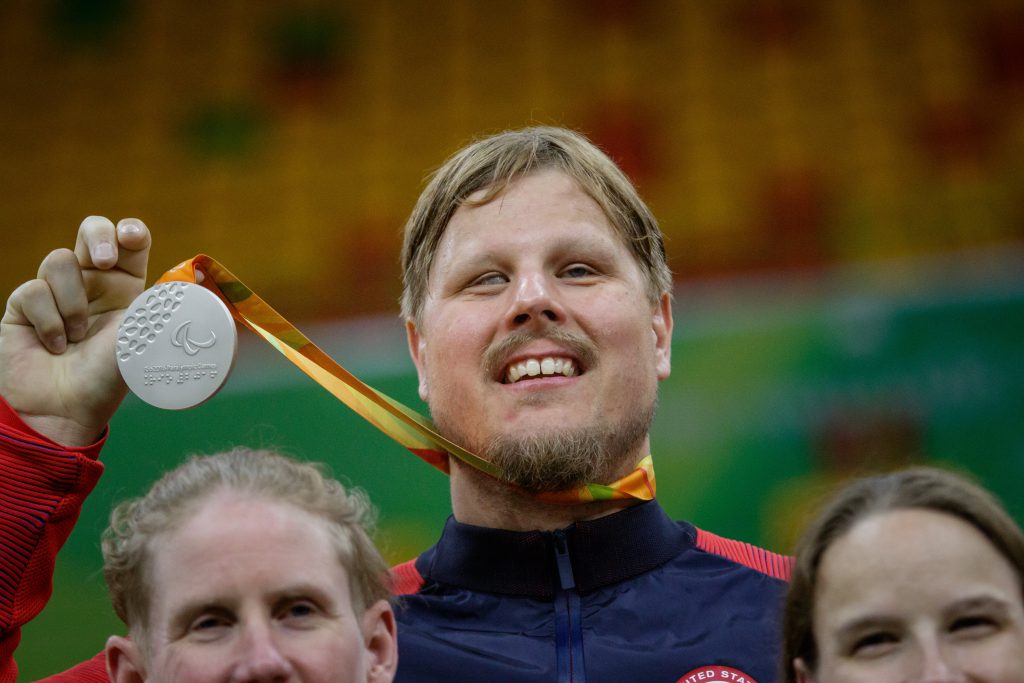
88 22
771 403
224 129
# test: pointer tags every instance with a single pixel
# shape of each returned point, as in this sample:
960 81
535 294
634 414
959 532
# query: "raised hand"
57 366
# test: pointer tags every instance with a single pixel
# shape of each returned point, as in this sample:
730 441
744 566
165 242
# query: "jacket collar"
600 552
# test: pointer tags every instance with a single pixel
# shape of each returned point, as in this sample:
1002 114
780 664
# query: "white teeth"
546 366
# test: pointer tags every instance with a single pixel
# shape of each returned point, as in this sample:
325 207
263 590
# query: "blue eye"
489 279
301 609
577 271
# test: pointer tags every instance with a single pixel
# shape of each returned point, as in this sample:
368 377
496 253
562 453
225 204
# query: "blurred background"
841 184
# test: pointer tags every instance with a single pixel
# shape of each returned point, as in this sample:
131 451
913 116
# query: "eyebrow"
575 244
866 623
977 602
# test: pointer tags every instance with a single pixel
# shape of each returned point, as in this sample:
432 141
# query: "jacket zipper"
568 623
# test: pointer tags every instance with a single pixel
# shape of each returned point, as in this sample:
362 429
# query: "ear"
417 350
803 672
661 323
124 660
381 640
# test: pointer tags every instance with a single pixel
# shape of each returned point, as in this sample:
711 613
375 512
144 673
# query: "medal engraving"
176 345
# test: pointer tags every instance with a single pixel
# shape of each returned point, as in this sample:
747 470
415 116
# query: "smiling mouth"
537 368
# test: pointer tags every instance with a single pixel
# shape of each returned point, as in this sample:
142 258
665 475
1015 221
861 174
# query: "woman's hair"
137 524
922 488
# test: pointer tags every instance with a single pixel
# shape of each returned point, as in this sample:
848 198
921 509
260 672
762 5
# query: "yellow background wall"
290 139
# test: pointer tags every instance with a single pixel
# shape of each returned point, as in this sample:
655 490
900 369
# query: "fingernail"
104 251
76 331
130 229
59 343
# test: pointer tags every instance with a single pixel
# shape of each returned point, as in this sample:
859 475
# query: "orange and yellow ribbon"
410 429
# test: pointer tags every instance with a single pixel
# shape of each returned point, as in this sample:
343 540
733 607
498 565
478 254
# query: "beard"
561 459
564 459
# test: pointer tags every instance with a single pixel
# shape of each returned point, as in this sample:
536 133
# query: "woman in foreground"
908 577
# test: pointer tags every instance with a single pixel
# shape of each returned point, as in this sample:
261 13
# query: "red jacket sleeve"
42 488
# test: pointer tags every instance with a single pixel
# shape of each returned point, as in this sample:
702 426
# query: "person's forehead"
913 524
543 184
547 199
933 547
240 542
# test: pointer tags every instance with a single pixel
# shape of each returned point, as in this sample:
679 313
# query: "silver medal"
176 345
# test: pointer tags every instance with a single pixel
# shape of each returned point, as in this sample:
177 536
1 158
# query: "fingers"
60 271
103 245
57 302
33 304
134 240
96 245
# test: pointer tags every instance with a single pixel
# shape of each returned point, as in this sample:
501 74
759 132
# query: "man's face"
251 590
537 325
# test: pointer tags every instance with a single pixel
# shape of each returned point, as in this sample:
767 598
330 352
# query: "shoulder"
764 561
405 578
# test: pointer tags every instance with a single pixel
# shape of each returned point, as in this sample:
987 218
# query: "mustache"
577 344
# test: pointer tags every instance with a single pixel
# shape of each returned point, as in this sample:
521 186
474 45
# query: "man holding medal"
538 310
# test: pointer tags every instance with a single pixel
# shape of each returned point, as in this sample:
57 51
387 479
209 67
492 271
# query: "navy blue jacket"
633 596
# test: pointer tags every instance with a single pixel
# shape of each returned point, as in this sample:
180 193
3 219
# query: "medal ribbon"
406 426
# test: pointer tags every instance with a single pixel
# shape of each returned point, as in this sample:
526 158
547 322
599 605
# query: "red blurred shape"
773 23
364 276
793 219
852 439
1001 44
626 132
614 11
956 134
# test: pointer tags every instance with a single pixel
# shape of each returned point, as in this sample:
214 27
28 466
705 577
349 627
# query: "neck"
481 500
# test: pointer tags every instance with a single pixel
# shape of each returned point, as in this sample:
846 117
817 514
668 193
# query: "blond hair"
492 164
135 524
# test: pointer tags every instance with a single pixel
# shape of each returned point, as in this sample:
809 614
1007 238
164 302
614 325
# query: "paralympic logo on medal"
182 340
176 345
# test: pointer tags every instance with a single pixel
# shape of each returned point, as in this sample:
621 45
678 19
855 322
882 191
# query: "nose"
937 667
534 301
260 659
